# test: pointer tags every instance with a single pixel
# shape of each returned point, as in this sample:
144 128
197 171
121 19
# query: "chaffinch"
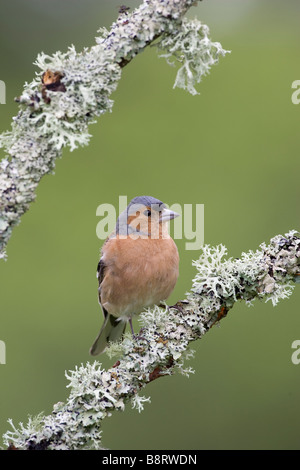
138 268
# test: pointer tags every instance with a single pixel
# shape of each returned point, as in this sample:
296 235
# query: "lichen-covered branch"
162 347
72 89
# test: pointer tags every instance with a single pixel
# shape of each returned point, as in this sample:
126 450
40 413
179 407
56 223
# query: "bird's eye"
147 213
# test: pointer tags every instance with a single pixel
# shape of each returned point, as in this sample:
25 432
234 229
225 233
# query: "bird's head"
145 217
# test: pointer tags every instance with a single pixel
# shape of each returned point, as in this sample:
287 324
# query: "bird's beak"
168 215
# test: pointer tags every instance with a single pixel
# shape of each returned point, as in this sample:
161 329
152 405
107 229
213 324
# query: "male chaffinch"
138 268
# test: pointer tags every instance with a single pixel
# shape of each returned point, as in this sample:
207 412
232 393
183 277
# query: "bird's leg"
131 327
138 336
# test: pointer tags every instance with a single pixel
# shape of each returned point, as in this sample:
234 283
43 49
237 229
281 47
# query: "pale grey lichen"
267 273
162 347
137 402
51 119
193 49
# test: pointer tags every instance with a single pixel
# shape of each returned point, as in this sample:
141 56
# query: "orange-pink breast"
139 273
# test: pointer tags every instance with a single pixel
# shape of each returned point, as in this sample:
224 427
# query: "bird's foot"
178 305
138 336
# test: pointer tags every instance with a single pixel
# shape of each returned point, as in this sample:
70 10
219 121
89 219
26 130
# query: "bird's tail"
111 330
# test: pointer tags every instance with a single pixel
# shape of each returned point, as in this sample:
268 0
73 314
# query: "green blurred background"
233 148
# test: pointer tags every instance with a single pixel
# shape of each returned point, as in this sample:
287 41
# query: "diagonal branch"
163 344
73 89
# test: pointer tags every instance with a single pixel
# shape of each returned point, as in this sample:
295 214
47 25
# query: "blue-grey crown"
147 201
155 204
